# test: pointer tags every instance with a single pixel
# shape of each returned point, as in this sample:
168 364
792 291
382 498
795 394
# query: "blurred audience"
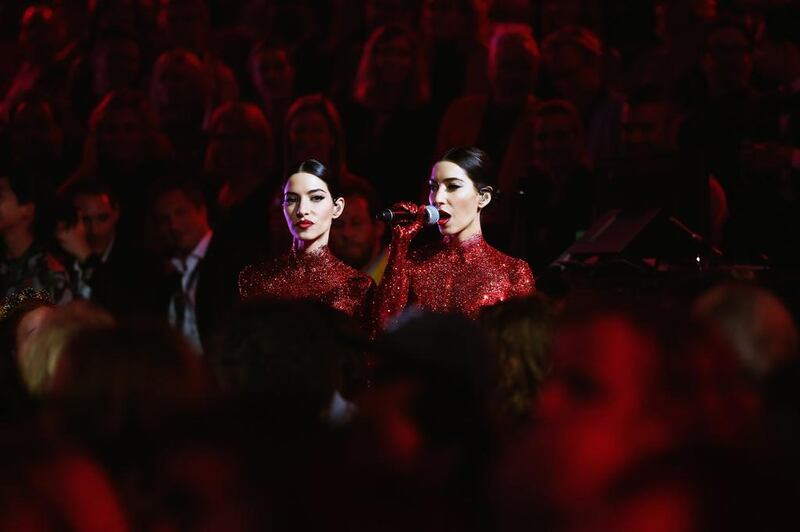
180 95
241 173
185 25
573 69
25 261
453 33
390 108
21 319
313 130
45 51
558 197
115 62
357 238
125 149
36 141
677 410
757 324
519 332
650 171
41 356
272 74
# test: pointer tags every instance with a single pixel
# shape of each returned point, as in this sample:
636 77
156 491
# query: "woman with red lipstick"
462 273
309 270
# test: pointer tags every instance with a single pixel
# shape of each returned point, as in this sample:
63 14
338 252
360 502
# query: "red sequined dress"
316 276
452 277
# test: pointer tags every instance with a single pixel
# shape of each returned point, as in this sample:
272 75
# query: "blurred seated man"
105 268
201 287
24 259
357 237
652 173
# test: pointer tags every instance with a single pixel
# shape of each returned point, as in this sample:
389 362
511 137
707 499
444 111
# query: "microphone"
399 216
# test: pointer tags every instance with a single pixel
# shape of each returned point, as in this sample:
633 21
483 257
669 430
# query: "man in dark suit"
200 286
103 267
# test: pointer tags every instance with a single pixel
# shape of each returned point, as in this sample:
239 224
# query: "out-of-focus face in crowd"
122 136
99 215
35 135
646 128
394 60
116 65
311 137
182 222
729 60
513 67
557 142
273 74
572 59
42 33
594 410
178 89
239 141
356 235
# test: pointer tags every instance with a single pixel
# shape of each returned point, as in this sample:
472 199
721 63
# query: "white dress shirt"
189 271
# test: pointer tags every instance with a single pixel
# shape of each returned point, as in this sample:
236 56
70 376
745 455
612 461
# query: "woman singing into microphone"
462 273
309 270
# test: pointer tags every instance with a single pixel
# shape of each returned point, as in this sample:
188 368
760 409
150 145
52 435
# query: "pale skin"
452 191
94 230
309 210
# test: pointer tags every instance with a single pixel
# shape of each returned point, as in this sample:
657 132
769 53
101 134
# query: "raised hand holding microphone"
407 219
401 216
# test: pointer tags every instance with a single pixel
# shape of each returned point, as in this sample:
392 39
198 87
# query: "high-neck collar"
321 253
463 245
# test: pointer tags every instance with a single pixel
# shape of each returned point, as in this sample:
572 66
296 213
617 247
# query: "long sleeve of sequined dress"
451 277
391 296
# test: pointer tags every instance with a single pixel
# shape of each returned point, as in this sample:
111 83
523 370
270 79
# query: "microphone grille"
431 215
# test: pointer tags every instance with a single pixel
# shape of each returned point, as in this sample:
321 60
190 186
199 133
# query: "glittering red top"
455 277
317 276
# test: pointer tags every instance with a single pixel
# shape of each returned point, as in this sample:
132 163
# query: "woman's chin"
444 230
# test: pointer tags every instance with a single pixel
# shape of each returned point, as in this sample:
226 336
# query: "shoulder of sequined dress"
253 277
519 273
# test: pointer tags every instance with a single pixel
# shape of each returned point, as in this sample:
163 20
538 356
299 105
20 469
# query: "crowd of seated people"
143 147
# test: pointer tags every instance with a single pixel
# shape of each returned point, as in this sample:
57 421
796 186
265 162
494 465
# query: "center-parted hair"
319 170
477 165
